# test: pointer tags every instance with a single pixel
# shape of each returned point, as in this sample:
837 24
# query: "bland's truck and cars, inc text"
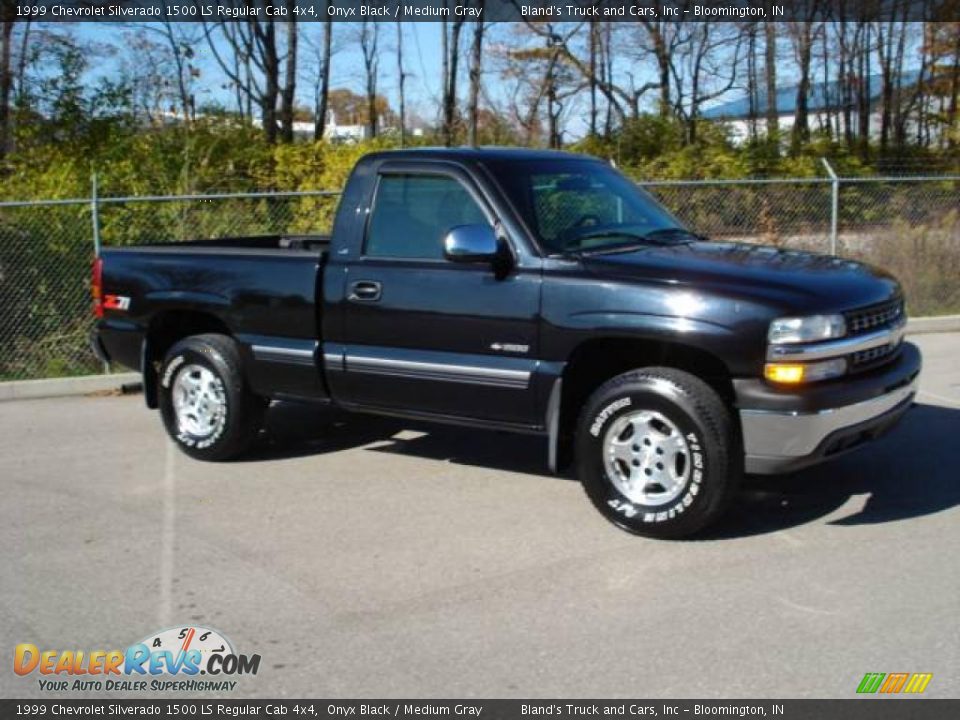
529 291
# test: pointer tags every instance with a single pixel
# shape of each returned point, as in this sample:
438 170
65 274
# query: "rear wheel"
657 452
204 402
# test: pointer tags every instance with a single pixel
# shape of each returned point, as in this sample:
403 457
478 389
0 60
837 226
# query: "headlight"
806 329
794 373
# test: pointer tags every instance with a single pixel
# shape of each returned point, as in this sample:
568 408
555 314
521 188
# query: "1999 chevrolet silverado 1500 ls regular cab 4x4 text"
538 292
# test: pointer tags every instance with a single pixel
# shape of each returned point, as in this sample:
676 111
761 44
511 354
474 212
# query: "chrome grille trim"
867 319
887 337
865 357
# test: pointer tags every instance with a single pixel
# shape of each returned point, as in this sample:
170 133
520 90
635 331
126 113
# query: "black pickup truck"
530 291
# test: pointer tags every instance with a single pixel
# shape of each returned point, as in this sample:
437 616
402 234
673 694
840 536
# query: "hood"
795 281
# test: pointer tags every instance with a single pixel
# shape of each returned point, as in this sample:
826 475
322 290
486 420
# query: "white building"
344 133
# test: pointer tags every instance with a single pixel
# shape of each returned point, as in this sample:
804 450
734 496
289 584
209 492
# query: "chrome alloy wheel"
199 402
646 457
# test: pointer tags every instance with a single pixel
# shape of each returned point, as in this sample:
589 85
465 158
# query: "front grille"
875 317
871 319
866 359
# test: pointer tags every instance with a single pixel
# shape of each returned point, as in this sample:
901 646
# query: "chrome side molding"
275 353
444 372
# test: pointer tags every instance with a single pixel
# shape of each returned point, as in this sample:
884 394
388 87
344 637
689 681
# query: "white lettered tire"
657 452
205 405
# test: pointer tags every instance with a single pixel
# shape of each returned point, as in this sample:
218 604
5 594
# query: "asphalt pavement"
363 557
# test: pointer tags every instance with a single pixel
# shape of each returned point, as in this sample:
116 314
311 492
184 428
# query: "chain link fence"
910 226
46 251
45 255
141 220
784 213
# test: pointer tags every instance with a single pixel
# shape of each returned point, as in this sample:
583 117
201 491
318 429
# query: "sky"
422 62
422 65
422 58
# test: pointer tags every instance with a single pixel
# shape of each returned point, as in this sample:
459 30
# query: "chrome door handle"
365 291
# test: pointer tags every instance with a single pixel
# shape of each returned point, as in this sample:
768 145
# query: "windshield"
575 205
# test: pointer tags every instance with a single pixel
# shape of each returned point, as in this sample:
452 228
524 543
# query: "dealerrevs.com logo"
169 660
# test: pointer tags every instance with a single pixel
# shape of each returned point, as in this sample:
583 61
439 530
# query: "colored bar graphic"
870 683
894 683
918 682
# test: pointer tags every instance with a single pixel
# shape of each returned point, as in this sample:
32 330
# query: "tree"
942 45
181 39
546 76
803 35
8 14
752 94
350 108
770 73
146 67
864 90
476 60
450 47
623 94
255 65
289 92
181 50
369 38
704 68
844 65
660 34
401 82
322 48
160 51
595 40
886 40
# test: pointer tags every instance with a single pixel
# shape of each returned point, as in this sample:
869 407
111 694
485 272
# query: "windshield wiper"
638 240
637 244
678 231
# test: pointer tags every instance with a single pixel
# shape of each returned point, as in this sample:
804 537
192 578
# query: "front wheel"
657 452
204 402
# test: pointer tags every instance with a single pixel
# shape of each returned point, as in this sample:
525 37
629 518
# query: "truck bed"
262 289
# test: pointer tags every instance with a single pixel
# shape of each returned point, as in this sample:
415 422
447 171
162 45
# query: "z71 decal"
116 302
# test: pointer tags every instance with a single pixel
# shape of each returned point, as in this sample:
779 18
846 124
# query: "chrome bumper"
779 441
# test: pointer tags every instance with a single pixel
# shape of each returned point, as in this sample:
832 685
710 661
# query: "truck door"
428 335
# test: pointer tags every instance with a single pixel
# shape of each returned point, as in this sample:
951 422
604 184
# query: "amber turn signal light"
794 373
787 373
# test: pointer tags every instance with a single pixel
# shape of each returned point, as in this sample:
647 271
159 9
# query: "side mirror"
471 243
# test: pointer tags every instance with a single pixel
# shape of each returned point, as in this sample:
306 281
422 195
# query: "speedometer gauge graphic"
180 640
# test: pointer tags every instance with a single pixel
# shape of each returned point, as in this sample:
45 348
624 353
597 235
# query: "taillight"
96 286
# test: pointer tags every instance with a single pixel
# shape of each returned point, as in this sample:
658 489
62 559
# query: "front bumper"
783 432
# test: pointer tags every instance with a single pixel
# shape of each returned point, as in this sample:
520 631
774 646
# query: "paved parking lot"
367 557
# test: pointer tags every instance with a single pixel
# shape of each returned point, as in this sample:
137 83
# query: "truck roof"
487 152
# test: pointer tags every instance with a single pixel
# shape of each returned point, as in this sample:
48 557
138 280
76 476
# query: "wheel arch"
164 330
594 361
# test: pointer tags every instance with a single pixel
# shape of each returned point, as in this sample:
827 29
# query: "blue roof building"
822 97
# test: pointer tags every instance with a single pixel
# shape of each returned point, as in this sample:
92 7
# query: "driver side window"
412 214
